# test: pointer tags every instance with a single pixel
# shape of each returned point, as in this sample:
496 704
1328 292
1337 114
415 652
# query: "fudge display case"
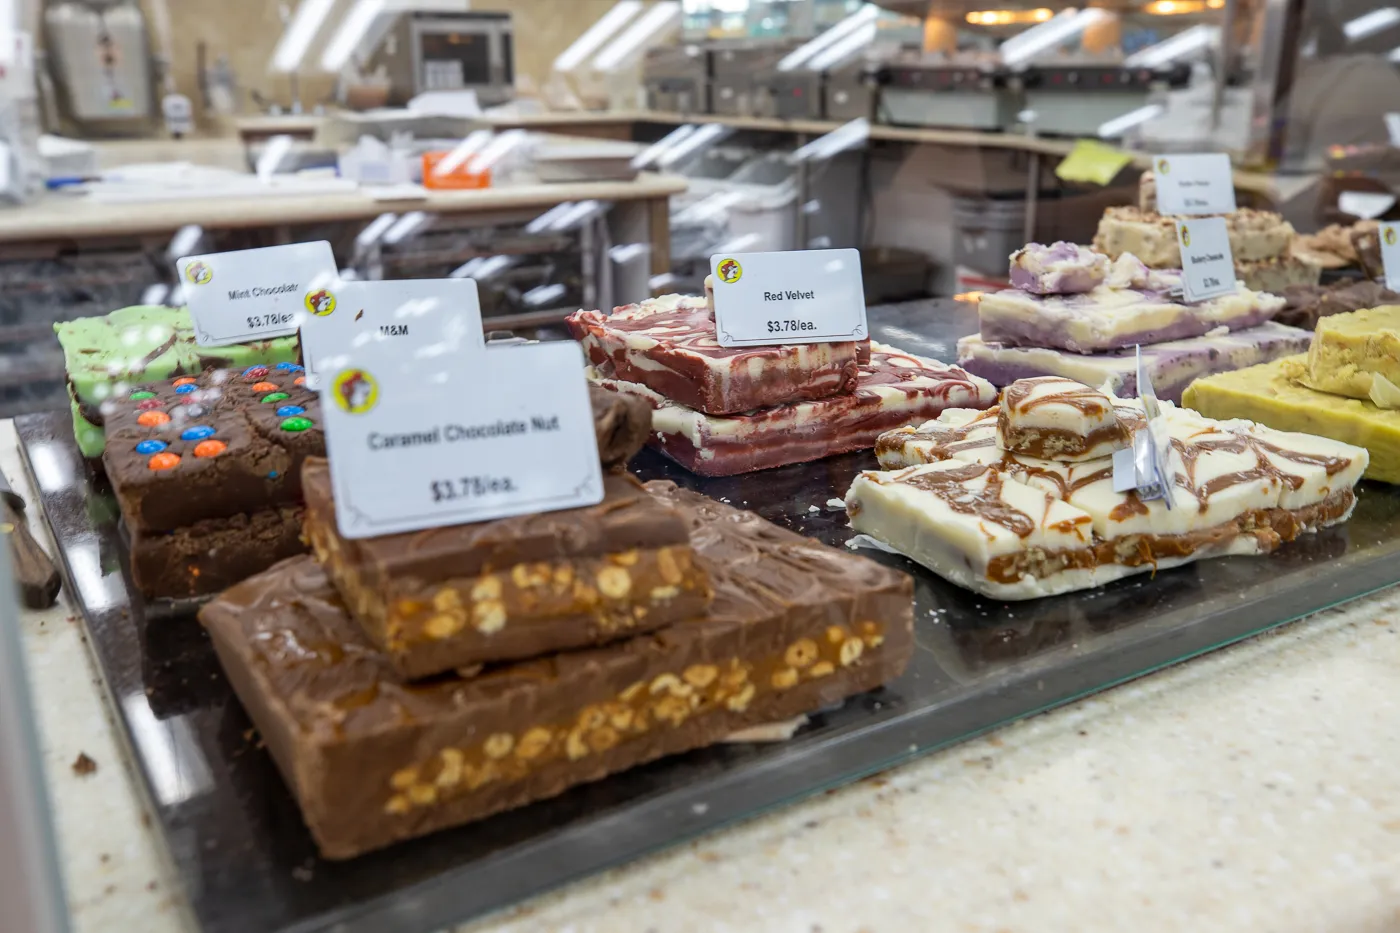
245 859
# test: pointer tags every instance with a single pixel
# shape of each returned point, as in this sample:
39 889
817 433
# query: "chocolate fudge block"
795 626
212 446
621 426
668 345
512 588
894 389
105 356
212 555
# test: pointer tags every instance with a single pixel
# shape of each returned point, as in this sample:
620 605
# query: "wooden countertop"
74 217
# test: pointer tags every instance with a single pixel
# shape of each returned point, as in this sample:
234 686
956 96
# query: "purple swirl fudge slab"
1173 365
1111 318
1058 269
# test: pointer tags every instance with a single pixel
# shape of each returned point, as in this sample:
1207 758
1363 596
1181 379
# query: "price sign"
1194 184
253 294
420 436
441 313
803 296
1207 265
1390 254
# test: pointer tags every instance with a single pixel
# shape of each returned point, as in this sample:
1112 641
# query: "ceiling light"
306 22
352 30
593 37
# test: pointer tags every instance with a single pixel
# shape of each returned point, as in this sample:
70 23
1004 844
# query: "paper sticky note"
1092 161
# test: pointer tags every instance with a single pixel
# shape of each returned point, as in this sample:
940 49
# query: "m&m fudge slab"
219 444
1172 365
207 473
668 345
795 626
106 356
1011 525
512 588
892 389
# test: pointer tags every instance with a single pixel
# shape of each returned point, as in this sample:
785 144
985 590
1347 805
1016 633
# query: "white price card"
1207 265
1390 254
1194 184
803 296
444 314
418 439
253 294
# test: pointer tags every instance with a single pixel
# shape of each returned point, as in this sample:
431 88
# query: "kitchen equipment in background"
677 78
735 90
102 66
604 160
448 52
850 92
921 92
34 571
1076 99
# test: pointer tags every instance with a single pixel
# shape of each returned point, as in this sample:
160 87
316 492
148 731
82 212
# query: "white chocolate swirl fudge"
1012 526
1058 269
1060 419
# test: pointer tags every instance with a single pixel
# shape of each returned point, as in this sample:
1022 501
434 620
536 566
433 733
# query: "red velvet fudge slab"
213 446
668 345
894 389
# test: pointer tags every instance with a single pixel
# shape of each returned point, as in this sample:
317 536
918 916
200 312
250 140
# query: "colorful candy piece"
150 447
150 404
275 396
197 433
297 424
152 419
255 373
266 387
184 381
299 380
140 395
286 411
164 461
289 367
185 389
209 448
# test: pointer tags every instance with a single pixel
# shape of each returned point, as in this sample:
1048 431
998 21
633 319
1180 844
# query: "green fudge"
109 354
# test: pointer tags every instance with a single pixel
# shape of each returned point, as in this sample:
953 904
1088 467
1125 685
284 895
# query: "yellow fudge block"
1269 395
1349 350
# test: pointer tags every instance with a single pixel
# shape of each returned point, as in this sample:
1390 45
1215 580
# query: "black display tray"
247 863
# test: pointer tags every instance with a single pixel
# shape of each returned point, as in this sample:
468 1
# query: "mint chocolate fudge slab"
107 355
1173 365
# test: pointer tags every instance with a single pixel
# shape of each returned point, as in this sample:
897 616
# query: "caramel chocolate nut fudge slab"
210 556
1151 237
1110 318
795 626
512 588
894 389
621 425
1011 526
211 446
105 356
1307 304
668 345
1172 365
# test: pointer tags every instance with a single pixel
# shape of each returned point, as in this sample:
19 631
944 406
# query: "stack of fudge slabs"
206 471
419 681
1269 255
105 356
719 412
1074 313
1345 388
1020 503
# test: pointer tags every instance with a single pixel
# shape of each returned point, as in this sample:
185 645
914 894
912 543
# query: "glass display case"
751 396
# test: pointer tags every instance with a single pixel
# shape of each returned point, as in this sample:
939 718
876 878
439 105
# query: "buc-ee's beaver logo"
1389 236
1185 236
730 271
199 273
1164 166
355 391
320 303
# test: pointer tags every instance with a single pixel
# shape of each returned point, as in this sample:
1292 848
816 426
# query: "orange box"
458 179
